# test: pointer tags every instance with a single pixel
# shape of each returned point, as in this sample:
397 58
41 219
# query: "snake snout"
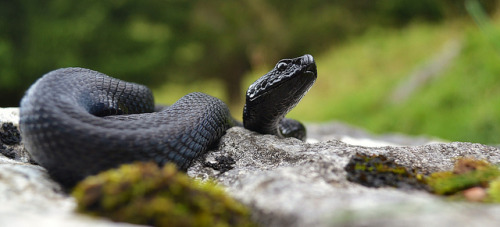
309 63
307 59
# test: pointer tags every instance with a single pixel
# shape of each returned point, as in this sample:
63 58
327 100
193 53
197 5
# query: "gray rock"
15 151
28 196
291 183
285 182
10 114
357 136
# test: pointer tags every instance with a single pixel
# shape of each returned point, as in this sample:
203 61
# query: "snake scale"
76 122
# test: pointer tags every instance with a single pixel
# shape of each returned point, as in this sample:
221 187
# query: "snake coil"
77 122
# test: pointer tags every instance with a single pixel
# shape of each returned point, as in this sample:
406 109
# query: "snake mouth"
311 70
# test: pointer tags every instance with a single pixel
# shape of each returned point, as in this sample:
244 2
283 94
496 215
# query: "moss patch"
379 171
471 179
143 193
468 176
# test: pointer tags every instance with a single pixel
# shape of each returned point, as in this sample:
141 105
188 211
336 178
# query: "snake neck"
254 120
273 95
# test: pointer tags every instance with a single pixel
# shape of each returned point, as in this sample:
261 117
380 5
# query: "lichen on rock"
9 134
378 171
143 193
10 142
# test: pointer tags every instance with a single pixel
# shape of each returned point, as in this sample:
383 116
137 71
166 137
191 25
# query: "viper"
76 122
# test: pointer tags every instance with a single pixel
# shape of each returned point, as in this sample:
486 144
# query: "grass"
169 93
461 104
355 81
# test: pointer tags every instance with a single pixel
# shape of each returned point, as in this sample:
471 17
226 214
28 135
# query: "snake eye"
281 66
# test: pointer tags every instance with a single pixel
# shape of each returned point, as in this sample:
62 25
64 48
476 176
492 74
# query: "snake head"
273 95
296 74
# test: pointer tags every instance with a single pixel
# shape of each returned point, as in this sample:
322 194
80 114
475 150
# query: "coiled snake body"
77 122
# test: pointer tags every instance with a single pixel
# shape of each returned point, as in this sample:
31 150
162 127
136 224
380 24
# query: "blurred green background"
417 67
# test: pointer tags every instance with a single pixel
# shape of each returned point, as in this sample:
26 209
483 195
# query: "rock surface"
28 196
10 139
286 182
357 136
291 183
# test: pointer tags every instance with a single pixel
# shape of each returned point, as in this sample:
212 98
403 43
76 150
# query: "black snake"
77 122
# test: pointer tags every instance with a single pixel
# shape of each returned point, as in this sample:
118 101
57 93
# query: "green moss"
142 193
494 191
449 183
379 171
467 174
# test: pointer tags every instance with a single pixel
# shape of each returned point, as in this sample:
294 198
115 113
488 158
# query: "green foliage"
355 79
481 18
152 42
218 42
405 11
142 193
125 39
461 103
